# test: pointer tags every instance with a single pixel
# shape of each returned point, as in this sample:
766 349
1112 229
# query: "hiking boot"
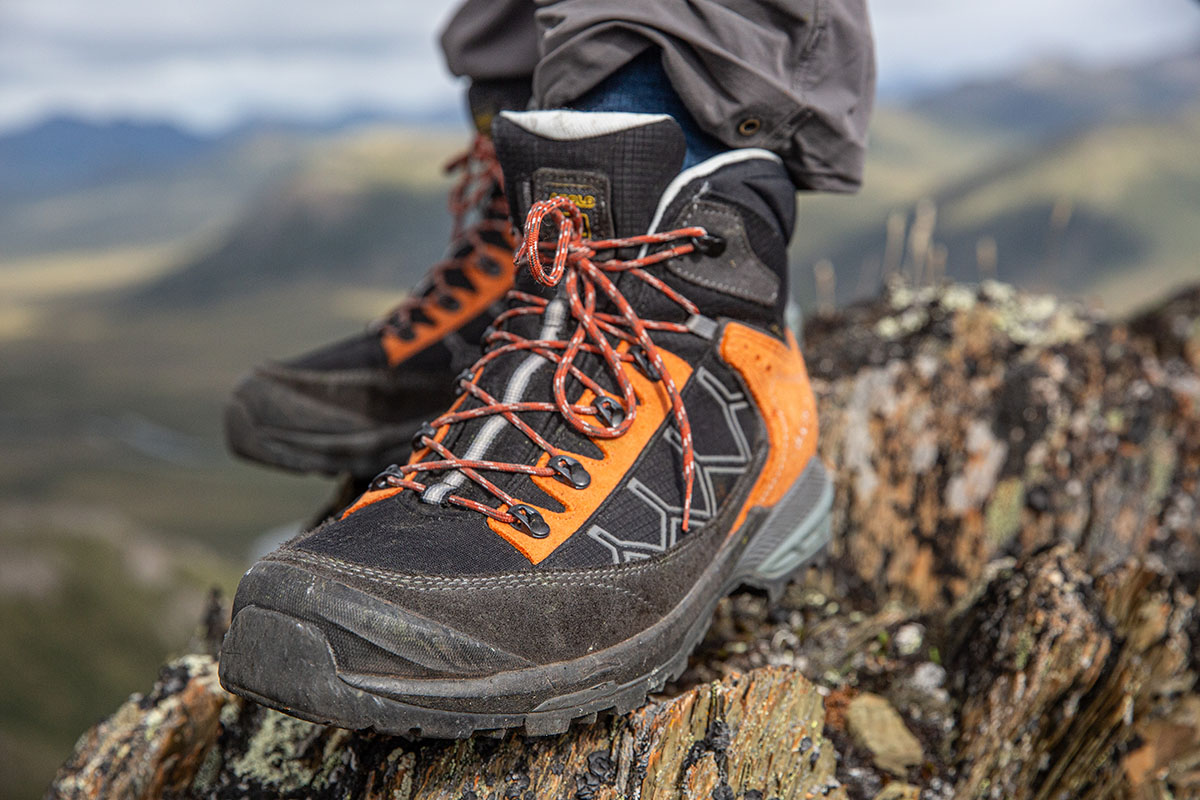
353 406
637 441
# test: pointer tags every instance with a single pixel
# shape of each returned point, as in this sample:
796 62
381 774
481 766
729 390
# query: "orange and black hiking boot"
353 407
637 440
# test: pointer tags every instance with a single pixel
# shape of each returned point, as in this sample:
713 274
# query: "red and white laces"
584 281
480 179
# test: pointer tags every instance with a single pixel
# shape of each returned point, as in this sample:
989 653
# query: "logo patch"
589 191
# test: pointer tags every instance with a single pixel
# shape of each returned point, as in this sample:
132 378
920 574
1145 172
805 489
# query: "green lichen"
908 321
210 769
998 292
887 328
229 713
1040 320
1024 649
331 757
272 756
1163 458
1003 513
405 764
1029 319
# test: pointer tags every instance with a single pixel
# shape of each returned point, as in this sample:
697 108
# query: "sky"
209 64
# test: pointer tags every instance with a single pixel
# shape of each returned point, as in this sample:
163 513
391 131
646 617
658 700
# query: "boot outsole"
286 662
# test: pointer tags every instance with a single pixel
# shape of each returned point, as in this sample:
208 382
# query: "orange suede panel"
488 289
371 497
778 381
619 457
382 494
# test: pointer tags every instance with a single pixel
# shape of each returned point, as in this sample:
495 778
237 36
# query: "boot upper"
619 531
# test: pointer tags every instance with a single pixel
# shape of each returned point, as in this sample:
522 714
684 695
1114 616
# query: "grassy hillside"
89 604
118 504
57 155
186 201
1114 204
370 207
1052 99
1107 214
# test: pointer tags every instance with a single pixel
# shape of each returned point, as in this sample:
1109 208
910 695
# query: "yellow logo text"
581 200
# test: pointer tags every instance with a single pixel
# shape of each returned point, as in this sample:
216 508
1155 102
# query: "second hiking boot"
637 440
352 407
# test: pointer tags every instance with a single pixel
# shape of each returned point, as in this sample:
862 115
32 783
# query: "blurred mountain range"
143 268
1056 98
65 153
1000 165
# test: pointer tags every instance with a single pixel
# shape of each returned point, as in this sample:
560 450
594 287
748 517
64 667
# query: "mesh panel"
639 162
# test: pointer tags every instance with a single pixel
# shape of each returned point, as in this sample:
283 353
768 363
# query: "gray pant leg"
492 40
796 77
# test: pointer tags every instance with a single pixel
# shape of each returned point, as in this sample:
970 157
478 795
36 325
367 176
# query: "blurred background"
188 188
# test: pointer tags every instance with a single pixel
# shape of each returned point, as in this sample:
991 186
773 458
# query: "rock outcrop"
1008 609
761 732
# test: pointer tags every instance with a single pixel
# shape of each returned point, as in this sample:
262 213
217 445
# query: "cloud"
940 41
210 63
209 94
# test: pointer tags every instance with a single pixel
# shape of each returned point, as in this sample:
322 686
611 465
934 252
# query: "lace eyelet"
709 245
570 471
610 411
380 481
642 361
749 126
418 439
529 521
607 414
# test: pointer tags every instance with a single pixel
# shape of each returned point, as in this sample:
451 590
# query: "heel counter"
777 377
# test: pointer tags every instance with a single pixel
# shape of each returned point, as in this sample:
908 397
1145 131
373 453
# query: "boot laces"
584 280
479 188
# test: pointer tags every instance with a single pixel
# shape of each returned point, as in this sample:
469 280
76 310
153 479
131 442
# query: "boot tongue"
613 165
486 99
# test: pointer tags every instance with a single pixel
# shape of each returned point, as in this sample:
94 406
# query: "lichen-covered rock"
879 728
154 744
1058 670
1012 584
759 732
1172 328
966 425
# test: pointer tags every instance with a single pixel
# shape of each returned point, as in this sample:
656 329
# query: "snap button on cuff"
749 126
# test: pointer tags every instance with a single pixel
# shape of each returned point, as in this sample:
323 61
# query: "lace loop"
481 176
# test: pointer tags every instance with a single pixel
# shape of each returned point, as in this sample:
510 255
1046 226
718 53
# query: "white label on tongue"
563 125
555 315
